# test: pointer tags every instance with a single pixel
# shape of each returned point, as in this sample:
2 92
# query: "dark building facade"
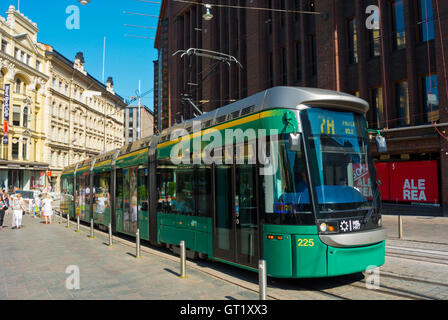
398 65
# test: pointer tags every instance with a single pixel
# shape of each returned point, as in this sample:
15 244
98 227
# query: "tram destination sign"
327 122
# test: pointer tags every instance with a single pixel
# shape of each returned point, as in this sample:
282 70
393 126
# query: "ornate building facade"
53 112
22 96
86 118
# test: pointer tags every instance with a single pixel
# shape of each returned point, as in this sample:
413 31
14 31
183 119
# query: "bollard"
400 227
182 260
262 279
77 224
137 244
68 221
110 235
91 229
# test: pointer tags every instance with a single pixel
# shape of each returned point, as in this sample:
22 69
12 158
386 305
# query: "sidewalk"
425 229
33 262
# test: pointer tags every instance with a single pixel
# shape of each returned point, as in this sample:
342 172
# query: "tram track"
279 287
418 254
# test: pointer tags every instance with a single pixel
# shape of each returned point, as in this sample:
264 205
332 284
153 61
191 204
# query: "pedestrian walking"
47 205
18 207
37 207
3 209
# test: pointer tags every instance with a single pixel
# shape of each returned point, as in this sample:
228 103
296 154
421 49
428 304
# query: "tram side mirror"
381 144
294 142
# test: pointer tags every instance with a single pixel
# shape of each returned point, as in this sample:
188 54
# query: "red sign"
5 126
48 173
414 181
384 179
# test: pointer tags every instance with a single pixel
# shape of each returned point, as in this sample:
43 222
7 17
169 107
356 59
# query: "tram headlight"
379 222
323 227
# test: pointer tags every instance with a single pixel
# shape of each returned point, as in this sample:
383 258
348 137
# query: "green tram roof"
277 97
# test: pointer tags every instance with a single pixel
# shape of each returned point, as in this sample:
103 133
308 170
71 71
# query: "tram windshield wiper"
371 209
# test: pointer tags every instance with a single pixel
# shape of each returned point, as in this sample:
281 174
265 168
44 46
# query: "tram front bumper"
342 261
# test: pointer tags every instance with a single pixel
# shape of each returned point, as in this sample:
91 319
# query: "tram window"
204 191
130 209
101 196
287 191
184 197
119 189
142 189
177 190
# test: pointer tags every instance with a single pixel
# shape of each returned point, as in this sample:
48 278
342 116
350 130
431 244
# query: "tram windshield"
341 169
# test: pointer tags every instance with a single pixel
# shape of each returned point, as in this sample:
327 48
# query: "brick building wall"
331 50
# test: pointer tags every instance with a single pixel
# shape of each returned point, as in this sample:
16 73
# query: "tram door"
236 229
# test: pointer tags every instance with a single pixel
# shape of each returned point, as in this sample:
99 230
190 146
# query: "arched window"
18 85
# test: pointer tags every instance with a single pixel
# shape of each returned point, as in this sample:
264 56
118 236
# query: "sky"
128 59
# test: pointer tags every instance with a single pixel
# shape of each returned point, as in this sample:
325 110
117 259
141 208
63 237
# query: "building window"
431 97
374 43
271 69
425 20
313 53
298 61
284 67
352 41
377 107
269 20
4 46
399 34
16 116
402 103
25 149
18 86
38 65
25 117
15 149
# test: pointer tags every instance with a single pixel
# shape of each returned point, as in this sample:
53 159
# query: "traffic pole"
77 224
68 221
400 227
91 229
262 279
110 235
182 260
137 244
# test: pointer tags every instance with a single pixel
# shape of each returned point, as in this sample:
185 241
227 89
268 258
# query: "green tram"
284 175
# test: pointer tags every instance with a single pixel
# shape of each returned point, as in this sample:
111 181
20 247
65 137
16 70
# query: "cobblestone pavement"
33 262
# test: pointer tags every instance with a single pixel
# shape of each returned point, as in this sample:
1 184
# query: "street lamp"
84 2
208 15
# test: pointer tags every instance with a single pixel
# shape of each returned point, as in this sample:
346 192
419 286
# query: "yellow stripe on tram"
234 123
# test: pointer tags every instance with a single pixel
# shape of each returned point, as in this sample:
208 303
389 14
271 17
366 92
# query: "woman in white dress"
47 205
